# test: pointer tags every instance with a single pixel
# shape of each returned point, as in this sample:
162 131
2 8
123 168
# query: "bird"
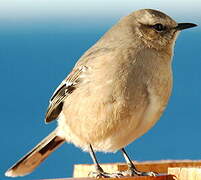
115 93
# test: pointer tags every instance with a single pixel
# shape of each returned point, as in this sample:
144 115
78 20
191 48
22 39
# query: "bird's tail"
36 156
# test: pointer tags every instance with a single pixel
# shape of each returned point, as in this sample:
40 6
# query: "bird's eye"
159 27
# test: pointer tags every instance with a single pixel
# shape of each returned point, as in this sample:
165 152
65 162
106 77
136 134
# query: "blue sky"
58 9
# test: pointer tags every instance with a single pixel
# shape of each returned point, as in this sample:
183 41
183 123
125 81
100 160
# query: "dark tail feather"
36 156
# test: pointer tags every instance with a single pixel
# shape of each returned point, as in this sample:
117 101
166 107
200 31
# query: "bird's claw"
105 175
131 172
149 173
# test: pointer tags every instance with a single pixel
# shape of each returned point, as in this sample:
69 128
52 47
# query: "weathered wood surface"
162 177
169 170
82 170
186 173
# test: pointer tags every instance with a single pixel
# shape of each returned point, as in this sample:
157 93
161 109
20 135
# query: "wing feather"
67 87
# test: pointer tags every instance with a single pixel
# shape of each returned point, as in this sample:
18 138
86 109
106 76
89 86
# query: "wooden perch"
163 177
186 173
169 170
155 166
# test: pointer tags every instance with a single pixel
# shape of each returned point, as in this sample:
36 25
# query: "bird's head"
155 28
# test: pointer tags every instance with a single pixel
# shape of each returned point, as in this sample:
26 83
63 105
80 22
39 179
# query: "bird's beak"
181 26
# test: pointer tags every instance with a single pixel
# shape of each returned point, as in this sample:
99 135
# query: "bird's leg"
99 171
132 170
95 161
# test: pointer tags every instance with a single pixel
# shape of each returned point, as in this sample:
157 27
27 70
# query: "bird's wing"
67 87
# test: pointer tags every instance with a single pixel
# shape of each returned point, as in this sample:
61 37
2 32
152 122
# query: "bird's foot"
105 175
134 172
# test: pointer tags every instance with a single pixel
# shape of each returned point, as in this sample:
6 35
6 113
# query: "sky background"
40 41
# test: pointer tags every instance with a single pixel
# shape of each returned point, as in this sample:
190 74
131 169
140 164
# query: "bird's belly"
134 128
125 132
114 127
129 132
114 141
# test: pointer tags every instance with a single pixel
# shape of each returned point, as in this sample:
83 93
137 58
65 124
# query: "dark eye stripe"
159 27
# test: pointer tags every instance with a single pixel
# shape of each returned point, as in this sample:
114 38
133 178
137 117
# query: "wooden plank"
180 170
82 170
186 173
162 177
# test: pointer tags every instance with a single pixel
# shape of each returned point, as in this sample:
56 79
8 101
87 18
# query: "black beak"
182 26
